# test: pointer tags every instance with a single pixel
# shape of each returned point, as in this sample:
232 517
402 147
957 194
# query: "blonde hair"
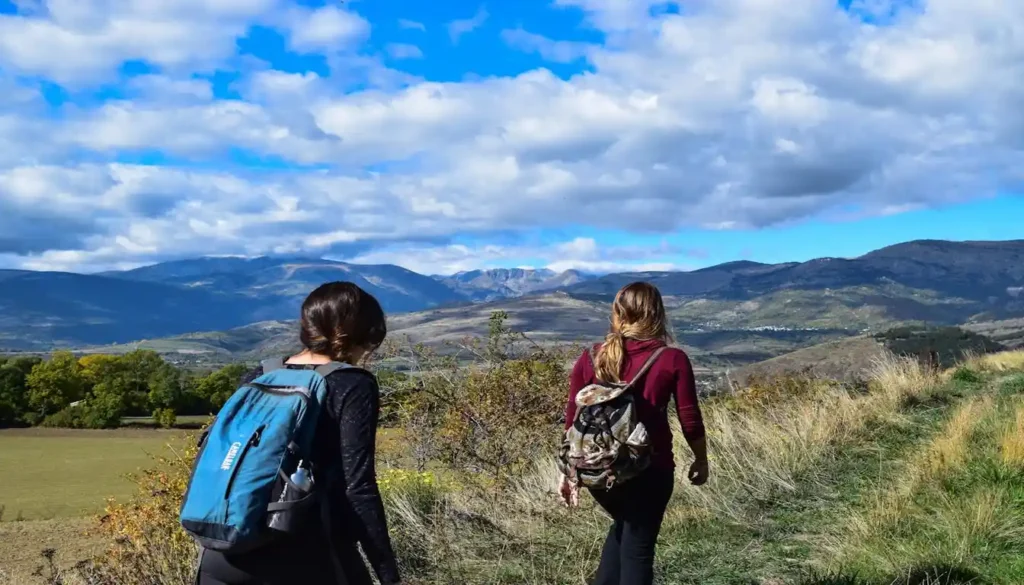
637 313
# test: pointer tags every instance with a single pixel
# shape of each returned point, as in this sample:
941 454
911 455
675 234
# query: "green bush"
69 418
1013 385
165 417
94 413
966 375
493 416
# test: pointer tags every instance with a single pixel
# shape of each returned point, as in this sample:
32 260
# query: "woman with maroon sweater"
638 328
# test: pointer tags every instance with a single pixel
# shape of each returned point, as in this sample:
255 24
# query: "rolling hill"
747 309
279 284
988 272
41 309
552 318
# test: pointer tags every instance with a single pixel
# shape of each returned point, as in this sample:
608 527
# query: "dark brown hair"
339 318
637 313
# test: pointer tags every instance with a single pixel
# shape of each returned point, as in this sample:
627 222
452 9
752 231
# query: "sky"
600 135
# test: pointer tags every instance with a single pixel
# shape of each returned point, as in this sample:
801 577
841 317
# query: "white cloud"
578 254
459 27
78 41
159 88
404 51
735 114
325 29
411 24
552 50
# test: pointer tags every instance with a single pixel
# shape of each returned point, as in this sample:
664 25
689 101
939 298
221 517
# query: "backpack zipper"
253 441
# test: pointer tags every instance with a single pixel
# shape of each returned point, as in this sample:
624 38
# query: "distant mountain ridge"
976 270
926 280
504 283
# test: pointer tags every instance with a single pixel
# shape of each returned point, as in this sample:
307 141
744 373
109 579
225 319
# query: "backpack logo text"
232 453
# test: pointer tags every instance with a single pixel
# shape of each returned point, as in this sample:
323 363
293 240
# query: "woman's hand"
569 492
698 472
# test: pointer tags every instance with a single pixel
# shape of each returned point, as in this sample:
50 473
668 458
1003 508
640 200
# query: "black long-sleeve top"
345 443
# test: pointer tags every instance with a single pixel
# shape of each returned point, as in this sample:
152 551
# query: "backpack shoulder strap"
331 367
647 365
272 364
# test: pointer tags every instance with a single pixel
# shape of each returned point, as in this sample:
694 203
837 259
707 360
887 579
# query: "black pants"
286 568
638 508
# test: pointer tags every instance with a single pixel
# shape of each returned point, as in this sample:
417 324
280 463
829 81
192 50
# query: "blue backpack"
240 495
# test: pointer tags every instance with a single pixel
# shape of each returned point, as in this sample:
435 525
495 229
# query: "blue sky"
594 134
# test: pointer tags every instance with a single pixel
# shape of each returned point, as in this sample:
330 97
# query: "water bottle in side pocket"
291 506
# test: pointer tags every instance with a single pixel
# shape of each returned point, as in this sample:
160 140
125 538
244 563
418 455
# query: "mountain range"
929 281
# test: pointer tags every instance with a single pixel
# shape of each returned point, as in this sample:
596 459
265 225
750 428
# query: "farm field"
56 486
61 479
60 473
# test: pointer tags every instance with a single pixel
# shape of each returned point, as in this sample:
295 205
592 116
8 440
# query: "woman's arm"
690 418
359 411
577 380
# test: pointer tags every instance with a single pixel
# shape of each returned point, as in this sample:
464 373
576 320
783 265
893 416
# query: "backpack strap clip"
271 364
331 367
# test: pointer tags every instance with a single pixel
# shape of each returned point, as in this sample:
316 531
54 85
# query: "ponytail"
637 313
609 359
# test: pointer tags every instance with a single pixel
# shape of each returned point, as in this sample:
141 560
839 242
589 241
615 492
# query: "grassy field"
55 485
59 473
916 480
59 479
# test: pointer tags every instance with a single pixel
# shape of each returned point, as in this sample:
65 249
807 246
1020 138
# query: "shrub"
165 417
1013 385
493 416
966 375
93 413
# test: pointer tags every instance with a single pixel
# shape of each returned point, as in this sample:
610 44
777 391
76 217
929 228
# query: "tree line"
98 391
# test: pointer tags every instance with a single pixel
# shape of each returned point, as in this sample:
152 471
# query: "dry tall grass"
1006 361
947 450
1012 443
771 446
764 442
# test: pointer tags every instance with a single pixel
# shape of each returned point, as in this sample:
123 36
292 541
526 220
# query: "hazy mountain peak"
495 283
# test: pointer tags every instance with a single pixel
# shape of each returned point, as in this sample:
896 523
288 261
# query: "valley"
211 311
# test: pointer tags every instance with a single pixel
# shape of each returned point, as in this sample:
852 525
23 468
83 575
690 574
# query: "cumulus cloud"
734 114
74 41
325 29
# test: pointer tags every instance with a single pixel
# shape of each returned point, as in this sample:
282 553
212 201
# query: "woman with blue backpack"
284 489
617 441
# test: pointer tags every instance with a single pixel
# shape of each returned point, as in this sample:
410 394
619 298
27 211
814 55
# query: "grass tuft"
1007 361
1012 443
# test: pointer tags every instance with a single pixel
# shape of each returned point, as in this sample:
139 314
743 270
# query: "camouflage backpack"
606 444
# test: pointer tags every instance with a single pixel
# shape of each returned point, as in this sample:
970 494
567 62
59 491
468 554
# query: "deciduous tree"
54 384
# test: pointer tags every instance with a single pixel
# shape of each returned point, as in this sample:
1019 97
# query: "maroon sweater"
671 376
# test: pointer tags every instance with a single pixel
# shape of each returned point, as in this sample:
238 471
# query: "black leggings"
268 568
638 508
